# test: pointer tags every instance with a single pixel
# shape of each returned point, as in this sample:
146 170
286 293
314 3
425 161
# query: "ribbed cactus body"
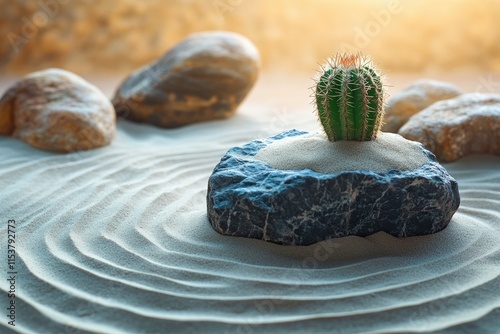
350 99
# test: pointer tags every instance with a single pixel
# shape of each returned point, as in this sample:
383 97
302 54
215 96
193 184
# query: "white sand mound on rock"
313 151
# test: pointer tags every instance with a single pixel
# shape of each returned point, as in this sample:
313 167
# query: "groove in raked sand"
120 241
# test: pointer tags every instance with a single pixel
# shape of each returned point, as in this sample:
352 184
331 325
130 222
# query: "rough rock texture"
204 77
452 129
57 111
248 198
406 103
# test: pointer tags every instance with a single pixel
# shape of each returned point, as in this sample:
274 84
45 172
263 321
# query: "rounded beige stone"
204 77
418 96
452 129
57 110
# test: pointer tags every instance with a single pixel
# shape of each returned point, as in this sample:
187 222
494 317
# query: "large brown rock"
58 111
452 129
202 78
418 96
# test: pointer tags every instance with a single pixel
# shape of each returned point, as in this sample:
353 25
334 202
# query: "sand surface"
314 151
116 240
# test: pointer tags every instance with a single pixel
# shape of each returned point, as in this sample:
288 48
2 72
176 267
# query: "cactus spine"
350 98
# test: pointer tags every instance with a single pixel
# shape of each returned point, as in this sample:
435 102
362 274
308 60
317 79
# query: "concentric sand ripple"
116 240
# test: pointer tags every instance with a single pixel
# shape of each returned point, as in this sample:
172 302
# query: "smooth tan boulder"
409 101
452 129
57 110
204 77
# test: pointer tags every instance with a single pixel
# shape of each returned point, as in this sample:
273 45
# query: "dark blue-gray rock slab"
249 198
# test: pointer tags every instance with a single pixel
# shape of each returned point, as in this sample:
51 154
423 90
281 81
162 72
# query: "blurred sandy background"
90 36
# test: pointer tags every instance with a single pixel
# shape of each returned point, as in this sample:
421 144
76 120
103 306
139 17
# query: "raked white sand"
117 240
314 151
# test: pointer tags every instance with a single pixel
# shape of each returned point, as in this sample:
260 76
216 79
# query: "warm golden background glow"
89 36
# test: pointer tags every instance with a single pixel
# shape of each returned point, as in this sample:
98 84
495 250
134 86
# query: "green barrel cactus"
350 98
